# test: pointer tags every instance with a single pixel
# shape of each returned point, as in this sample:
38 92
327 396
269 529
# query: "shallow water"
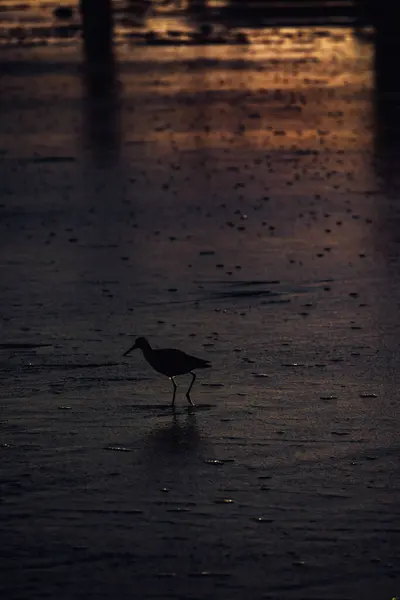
238 202
178 22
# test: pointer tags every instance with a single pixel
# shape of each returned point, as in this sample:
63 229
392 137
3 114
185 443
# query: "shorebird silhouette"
170 362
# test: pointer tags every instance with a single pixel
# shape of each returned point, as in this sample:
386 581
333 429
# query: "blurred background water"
231 190
49 22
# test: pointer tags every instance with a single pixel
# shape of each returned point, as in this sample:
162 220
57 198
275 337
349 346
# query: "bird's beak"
130 350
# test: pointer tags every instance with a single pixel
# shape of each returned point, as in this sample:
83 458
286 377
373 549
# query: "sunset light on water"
219 196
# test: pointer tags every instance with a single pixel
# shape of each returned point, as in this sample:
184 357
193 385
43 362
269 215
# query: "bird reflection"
180 437
168 455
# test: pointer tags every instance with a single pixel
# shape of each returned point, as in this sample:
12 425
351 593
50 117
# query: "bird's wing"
170 361
177 362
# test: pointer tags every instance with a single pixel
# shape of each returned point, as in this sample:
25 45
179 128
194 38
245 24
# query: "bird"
170 362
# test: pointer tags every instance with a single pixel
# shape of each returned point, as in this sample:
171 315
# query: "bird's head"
140 343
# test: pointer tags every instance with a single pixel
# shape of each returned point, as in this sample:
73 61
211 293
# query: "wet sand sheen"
237 212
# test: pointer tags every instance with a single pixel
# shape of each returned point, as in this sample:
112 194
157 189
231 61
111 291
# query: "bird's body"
170 362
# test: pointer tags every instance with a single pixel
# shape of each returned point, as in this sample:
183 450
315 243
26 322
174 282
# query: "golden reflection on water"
286 97
308 88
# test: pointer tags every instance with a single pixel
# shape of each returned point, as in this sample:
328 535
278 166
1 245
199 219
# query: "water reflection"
169 454
97 26
387 103
101 111
136 11
180 437
100 100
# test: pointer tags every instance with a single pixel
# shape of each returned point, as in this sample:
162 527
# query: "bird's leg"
173 396
190 387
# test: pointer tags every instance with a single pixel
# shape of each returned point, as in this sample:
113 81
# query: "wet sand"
239 203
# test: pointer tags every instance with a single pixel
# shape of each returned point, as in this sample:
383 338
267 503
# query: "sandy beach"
239 202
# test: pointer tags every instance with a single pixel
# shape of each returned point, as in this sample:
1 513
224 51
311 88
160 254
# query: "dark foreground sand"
240 203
